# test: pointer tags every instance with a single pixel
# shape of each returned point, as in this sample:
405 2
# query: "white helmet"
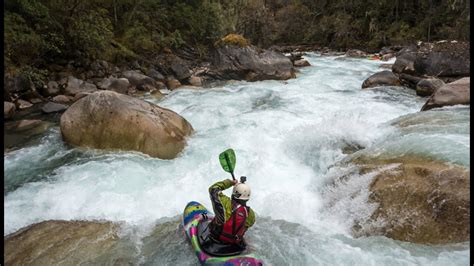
241 191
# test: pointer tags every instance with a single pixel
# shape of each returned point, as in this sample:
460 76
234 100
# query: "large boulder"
73 86
404 63
419 201
250 63
8 110
63 99
139 81
67 243
457 92
384 78
180 68
97 121
426 87
444 60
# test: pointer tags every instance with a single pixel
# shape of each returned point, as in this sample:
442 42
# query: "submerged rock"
109 120
250 63
419 200
384 78
67 243
457 92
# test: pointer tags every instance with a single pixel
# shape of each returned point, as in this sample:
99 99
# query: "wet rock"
8 110
139 81
405 63
249 63
62 99
419 201
119 85
195 81
74 86
457 92
301 63
51 107
22 104
426 87
68 243
356 53
51 89
172 83
384 78
97 121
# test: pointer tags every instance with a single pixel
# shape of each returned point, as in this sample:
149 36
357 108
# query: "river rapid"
287 136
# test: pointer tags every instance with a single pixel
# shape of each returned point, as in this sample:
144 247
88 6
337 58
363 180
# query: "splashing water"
286 135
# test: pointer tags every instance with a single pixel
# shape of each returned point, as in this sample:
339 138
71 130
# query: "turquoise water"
286 135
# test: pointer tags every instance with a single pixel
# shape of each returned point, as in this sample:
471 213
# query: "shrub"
232 39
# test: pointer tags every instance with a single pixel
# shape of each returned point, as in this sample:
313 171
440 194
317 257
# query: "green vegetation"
39 33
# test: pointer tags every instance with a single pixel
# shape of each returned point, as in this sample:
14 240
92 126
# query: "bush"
232 39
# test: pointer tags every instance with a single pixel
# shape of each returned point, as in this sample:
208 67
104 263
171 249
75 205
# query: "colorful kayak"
195 219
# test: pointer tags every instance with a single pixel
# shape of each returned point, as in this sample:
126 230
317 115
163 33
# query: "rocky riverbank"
440 71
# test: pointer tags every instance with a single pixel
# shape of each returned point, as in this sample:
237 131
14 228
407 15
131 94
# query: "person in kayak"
232 216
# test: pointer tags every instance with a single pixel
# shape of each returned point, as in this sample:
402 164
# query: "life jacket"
233 229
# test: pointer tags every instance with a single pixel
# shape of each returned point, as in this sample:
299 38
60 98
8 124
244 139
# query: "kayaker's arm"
250 219
219 200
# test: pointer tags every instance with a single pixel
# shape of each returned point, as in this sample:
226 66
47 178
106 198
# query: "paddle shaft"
228 163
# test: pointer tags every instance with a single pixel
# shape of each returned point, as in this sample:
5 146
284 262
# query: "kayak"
196 219
375 57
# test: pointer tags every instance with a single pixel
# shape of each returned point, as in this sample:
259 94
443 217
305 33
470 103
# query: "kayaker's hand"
234 182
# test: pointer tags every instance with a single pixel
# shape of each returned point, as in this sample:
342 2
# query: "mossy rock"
232 39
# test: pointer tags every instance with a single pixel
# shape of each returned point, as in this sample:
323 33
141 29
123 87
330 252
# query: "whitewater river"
287 135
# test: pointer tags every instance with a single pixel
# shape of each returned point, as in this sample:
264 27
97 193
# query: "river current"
287 135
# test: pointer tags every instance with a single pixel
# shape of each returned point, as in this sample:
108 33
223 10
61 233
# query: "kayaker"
232 215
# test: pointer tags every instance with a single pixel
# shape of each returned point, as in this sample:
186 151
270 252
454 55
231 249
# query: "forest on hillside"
38 33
